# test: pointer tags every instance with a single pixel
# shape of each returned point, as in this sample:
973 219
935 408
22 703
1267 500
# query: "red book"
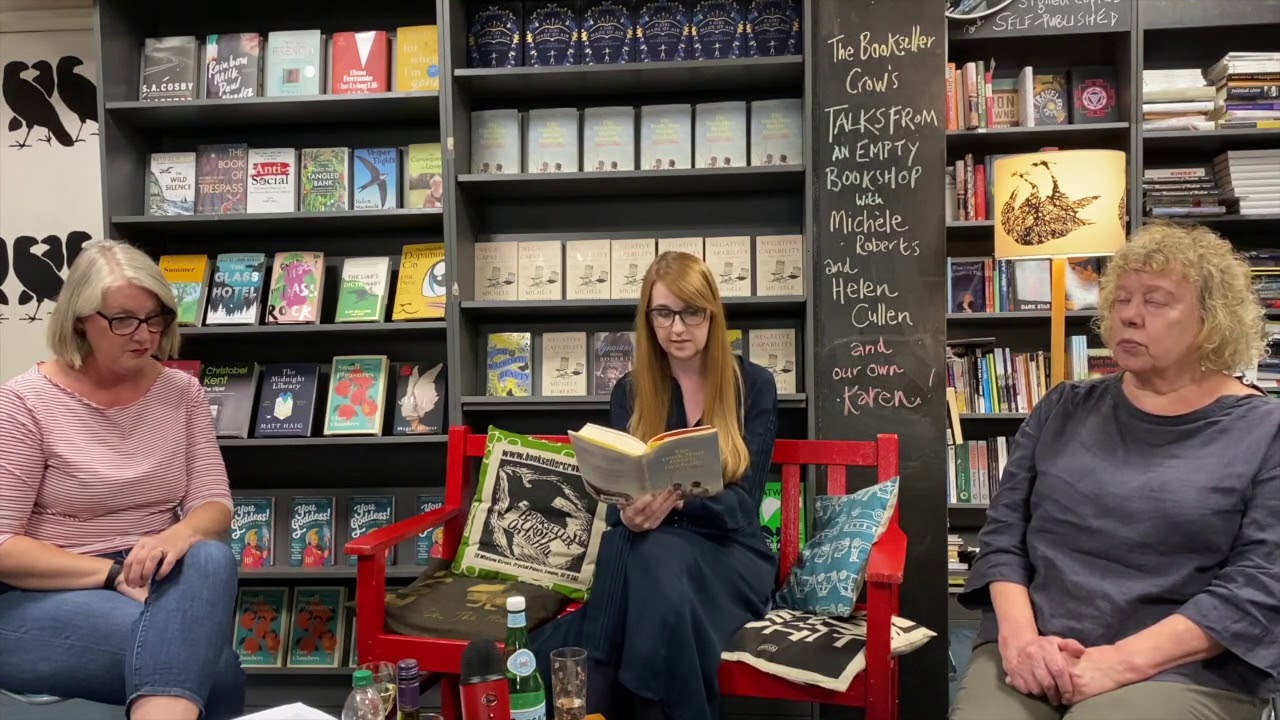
361 63
190 367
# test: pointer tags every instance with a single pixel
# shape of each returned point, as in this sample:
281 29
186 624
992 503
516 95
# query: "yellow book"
617 467
188 277
417 59
420 291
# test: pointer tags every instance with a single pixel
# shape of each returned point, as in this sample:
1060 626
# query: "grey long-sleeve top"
1115 518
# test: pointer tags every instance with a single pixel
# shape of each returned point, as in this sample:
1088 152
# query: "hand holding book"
619 468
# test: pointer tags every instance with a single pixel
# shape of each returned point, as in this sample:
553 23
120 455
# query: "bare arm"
206 522
1012 604
36 565
1174 641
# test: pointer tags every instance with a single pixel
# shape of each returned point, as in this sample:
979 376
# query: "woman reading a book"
1130 562
677 576
114 584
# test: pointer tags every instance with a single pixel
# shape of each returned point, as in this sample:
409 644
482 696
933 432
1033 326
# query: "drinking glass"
569 683
384 683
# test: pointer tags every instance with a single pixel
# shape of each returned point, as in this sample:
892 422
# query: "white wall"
47 190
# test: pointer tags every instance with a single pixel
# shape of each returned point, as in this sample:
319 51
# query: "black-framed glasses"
129 324
664 317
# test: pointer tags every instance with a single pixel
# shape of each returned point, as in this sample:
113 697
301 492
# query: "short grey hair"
100 266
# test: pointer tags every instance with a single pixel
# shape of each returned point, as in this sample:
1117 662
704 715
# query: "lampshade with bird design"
1059 203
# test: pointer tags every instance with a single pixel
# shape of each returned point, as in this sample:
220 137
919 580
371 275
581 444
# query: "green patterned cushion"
532 519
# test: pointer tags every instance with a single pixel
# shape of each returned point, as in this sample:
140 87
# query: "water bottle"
363 703
528 698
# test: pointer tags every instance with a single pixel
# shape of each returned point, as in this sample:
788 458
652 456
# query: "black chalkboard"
1050 17
879 147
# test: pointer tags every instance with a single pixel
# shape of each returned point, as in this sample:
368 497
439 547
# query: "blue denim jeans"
101 646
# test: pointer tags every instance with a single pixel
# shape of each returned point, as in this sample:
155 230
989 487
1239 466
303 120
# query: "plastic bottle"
363 703
528 696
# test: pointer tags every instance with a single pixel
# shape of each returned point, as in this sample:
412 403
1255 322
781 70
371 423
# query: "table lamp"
1058 204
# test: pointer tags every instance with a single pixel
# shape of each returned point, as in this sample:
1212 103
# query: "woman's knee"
212 561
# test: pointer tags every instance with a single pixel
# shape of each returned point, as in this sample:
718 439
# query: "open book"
619 468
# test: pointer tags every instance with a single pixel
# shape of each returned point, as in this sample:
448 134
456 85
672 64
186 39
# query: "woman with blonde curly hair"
1130 563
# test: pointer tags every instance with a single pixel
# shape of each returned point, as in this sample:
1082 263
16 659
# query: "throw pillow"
828 575
440 604
532 518
823 651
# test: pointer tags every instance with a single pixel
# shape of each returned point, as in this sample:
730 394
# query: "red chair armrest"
396 533
888 557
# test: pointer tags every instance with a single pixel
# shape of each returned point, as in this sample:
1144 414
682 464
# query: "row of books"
974 468
1244 182
563 362
1001 380
986 284
978 97
289 63
279 399
535 33
508 270
229 290
1242 90
604 139
233 178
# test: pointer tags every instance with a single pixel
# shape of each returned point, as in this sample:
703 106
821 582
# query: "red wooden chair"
876 688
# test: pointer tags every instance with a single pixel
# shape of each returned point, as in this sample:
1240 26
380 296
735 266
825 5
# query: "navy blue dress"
665 603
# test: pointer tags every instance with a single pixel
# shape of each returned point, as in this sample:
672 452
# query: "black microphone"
484 683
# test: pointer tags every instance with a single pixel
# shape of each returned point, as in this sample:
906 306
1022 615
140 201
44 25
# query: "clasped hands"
648 511
152 558
1062 670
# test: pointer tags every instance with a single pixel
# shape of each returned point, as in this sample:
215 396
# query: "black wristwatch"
113 575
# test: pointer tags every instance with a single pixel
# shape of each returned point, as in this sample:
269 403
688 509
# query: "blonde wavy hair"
1233 334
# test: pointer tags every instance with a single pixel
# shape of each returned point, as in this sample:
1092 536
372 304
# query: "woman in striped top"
114 583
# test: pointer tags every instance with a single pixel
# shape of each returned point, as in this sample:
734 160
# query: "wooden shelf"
569 403
265 224
337 440
773 179
743 76
528 310
303 110
1029 139
1015 316
344 329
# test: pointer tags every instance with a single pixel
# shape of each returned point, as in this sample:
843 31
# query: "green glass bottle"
528 696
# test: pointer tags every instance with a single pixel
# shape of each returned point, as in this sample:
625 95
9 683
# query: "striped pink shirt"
94 480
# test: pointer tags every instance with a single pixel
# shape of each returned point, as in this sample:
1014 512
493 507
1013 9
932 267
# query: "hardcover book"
729 259
720 135
495 141
691 245
1050 98
318 627
220 178
294 62
551 141
362 290
171 184
421 393
188 277
169 69
375 178
311 531
495 34
608 32
586 270
357 391
417 58
235 291
1093 94
775 351
613 353
630 260
297 284
287 400
563 359
495 268
666 137
361 63
773 28
324 179
779 265
551 33
539 266
509 365
777 137
422 282
230 389
273 185
429 545
262 623
424 171
366 513
771 514
233 67
718 29
252 531
662 30
735 340
608 139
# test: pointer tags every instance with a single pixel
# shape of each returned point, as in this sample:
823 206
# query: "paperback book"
620 468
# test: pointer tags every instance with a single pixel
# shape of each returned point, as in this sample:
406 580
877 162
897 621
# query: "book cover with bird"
317 627
287 400
297 287
509 365
324 179
420 287
357 391
366 513
262 622
171 184
375 176
420 399
362 290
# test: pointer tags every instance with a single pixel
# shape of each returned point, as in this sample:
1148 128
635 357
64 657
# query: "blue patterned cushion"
828 576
